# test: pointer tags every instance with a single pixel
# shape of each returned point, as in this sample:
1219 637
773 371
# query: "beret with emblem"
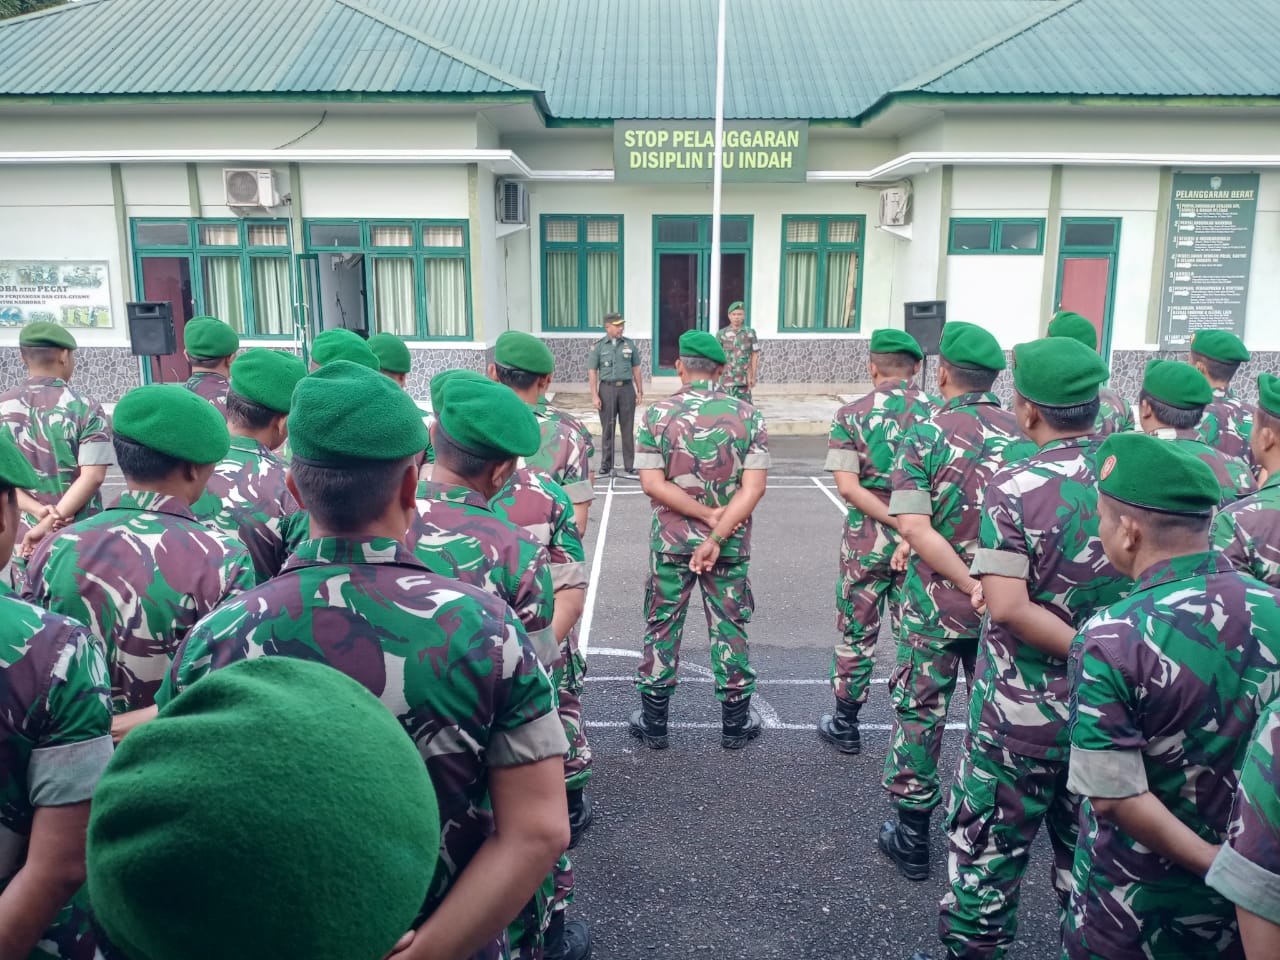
1220 345
267 377
208 337
736 305
346 411
1128 462
895 341
1068 323
488 419
1177 384
342 344
523 351
699 343
15 471
1058 372
46 335
1269 393
172 420
442 379
968 345
392 353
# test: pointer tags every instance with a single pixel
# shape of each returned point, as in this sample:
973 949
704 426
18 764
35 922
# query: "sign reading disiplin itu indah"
683 151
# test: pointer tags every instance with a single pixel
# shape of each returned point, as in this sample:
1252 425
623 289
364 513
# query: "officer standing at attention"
1227 419
704 463
1169 684
613 368
55 740
210 345
450 661
741 353
1247 532
394 359
1114 413
860 451
939 479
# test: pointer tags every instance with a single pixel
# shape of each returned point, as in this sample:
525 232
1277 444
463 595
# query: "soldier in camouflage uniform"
742 355
1172 402
450 661
394 359
140 574
703 459
55 740
941 472
1227 420
1043 573
1246 869
860 451
1115 415
210 346
1247 532
546 410
1164 701
246 498
63 434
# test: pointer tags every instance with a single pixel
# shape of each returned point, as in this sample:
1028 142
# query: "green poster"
683 151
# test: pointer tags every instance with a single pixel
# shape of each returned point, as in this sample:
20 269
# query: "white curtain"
222 294
842 289
446 297
800 305
393 296
602 285
272 298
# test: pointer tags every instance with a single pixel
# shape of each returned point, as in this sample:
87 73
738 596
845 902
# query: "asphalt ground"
769 851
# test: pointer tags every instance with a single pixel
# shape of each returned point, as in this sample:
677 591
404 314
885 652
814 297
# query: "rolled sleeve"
593 359
1113 774
569 576
1245 883
544 645
539 739
757 461
649 461
68 773
579 491
842 461
96 454
999 563
910 501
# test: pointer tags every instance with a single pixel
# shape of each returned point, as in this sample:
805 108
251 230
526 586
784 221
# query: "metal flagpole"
717 177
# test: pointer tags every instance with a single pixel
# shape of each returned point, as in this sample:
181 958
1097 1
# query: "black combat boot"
580 815
649 723
738 724
842 729
906 843
566 939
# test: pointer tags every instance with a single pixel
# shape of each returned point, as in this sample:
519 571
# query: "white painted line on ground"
840 505
593 582
810 727
784 682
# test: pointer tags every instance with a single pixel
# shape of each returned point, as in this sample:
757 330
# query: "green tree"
15 8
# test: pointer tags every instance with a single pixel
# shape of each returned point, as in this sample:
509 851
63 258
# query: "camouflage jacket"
55 738
864 434
942 470
1039 524
1115 415
1227 424
546 410
533 501
58 430
212 386
703 439
739 345
246 498
565 456
1247 868
1247 533
1233 475
450 661
139 575
457 535
1164 699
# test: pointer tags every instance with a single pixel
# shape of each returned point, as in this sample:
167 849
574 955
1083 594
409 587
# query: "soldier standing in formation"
340 343
1227 420
1247 532
1115 415
613 369
742 355
210 346
394 359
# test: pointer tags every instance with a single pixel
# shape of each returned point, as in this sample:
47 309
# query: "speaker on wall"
924 320
151 332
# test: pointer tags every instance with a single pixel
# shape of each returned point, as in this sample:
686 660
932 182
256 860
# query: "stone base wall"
427 363
104 374
571 358
1127 367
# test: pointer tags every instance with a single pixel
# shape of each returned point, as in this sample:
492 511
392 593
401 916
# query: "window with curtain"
581 270
394 297
821 273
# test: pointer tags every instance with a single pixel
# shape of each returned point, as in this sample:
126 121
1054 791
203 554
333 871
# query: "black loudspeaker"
924 321
151 332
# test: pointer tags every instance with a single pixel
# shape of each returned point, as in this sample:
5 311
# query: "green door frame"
1112 254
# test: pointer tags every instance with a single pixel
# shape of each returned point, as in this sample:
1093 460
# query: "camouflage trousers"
997 806
526 933
569 676
866 586
920 688
739 391
728 604
72 936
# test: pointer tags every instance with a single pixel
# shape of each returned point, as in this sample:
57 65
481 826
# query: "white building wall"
1262 315
915 261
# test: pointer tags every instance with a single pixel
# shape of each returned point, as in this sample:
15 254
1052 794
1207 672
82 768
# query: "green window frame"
1006 236
579 284
242 270
418 277
820 289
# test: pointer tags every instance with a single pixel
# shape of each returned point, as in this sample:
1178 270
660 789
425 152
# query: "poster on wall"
1207 255
683 151
72 293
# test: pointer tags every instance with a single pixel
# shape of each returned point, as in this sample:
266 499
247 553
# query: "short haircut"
462 462
1180 418
205 361
138 462
516 379
1079 416
700 364
896 363
347 497
1267 420
40 356
1218 369
246 413
972 379
1165 529
612 317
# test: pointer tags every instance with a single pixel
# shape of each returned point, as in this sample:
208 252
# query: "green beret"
736 305
209 338
267 377
346 411
1269 393
1067 323
699 343
46 335
1156 474
342 344
274 809
968 345
391 352
1220 345
440 379
15 471
488 419
1176 383
523 351
895 341
1058 371
170 419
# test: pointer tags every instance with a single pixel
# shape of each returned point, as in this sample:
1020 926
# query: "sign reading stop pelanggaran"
683 151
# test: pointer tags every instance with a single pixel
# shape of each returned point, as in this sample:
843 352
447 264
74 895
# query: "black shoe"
739 724
566 939
906 843
921 955
649 723
627 474
842 728
581 813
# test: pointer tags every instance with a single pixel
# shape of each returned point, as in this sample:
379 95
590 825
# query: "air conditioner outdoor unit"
895 205
513 202
250 188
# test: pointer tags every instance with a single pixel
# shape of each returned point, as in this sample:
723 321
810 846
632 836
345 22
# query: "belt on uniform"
616 383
